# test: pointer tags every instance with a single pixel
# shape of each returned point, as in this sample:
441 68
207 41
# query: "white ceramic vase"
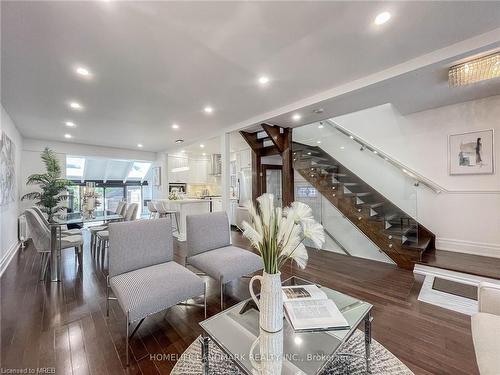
271 301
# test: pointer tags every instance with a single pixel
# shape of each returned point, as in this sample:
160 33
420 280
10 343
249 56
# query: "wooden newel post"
287 178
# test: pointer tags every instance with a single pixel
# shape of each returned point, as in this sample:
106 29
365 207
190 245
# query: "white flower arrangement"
174 195
278 234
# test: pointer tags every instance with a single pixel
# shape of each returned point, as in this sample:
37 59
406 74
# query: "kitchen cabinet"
188 170
178 169
232 211
216 204
198 171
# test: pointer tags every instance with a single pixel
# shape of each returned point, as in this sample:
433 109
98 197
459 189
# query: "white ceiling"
155 63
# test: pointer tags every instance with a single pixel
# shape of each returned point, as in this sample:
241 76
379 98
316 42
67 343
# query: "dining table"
71 218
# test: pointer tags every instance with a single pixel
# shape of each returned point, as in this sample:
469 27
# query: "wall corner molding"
468 247
9 255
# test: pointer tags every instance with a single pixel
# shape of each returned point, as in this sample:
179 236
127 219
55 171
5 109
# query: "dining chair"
209 250
143 275
103 235
120 210
64 228
40 234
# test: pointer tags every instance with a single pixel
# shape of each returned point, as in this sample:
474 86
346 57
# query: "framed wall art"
471 153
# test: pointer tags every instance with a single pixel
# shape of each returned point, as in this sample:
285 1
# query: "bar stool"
165 211
153 212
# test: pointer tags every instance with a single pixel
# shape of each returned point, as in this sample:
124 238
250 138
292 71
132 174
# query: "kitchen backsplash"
196 190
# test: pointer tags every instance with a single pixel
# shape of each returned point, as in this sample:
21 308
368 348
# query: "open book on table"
308 309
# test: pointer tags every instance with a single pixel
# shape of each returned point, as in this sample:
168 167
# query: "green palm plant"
52 186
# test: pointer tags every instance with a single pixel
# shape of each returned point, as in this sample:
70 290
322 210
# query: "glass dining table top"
80 217
238 334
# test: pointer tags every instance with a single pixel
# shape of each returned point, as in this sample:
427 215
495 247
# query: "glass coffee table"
253 350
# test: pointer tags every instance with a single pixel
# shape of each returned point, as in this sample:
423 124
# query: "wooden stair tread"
460 262
421 245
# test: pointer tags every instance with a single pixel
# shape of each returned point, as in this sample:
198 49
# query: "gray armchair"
209 250
142 274
486 329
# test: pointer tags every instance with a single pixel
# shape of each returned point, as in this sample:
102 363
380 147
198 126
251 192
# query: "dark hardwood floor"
64 325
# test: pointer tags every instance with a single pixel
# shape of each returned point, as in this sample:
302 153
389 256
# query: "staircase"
395 232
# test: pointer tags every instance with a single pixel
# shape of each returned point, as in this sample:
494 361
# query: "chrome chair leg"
43 265
107 296
126 340
176 223
205 300
221 294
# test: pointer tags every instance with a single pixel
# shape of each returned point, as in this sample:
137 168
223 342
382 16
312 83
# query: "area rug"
382 360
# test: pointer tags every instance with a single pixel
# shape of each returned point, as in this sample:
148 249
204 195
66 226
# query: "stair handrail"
419 179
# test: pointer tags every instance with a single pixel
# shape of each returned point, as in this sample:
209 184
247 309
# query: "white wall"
466 220
10 211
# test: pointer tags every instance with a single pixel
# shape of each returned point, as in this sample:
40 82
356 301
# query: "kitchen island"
185 207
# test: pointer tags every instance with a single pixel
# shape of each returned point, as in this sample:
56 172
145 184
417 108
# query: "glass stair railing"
391 225
342 236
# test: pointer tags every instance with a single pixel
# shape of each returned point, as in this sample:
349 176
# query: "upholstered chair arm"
489 298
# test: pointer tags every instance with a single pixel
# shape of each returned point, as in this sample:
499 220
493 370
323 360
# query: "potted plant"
52 186
278 235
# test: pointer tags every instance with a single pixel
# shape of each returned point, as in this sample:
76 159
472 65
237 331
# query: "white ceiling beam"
129 168
147 172
106 171
84 170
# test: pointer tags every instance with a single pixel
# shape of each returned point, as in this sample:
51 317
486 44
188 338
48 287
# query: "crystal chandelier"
476 70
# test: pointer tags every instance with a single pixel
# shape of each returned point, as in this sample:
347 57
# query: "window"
75 167
139 170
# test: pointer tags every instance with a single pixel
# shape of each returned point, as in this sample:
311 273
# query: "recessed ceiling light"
179 140
204 154
264 80
175 126
139 145
382 18
321 126
68 136
296 117
70 124
75 105
318 142
208 109
183 151
83 71
342 147
351 137
202 145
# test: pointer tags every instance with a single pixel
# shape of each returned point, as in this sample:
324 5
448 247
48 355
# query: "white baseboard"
469 247
4 262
